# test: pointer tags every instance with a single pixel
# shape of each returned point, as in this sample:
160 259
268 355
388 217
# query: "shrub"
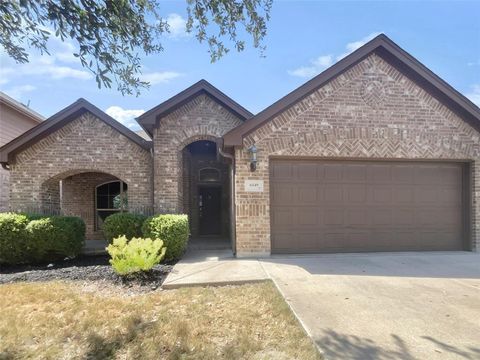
120 224
136 255
47 238
13 238
172 229
56 237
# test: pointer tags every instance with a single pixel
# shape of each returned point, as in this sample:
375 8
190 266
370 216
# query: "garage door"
352 206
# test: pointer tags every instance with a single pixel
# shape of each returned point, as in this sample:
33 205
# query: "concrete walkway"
214 267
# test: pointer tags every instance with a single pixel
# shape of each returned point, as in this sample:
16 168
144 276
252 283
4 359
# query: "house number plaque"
254 185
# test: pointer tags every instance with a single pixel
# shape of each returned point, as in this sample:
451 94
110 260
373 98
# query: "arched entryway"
89 194
206 193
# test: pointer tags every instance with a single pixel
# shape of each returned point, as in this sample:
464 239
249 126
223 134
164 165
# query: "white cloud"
125 116
474 63
160 77
177 25
17 92
352 46
474 95
41 65
316 66
324 61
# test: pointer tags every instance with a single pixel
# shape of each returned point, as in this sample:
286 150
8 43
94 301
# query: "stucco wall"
200 119
371 111
85 144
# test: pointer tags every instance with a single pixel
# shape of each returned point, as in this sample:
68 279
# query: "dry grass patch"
63 320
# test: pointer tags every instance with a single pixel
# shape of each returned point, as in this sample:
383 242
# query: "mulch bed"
84 268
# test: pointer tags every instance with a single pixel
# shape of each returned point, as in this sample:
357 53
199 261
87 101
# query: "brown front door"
352 206
210 204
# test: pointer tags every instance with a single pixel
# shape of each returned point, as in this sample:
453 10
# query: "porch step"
95 247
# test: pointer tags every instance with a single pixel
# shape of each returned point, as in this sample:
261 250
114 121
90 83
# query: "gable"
370 109
61 119
150 119
84 142
385 49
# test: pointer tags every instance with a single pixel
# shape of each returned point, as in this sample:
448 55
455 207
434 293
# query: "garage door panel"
333 172
382 194
355 193
333 194
325 206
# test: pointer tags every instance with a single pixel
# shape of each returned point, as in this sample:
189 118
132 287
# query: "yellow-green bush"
135 255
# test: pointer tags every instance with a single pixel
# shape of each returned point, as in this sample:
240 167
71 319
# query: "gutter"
233 221
6 166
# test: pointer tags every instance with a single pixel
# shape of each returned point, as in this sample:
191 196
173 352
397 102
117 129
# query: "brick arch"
74 171
198 137
50 192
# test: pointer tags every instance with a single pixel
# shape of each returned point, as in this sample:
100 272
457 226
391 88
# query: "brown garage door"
350 206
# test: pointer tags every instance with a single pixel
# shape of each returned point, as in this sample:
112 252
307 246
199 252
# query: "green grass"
71 320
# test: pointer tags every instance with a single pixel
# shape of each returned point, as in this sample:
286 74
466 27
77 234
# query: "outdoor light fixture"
253 157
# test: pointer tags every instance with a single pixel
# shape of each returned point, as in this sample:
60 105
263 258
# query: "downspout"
233 220
152 182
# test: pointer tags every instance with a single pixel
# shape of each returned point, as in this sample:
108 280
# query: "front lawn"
80 320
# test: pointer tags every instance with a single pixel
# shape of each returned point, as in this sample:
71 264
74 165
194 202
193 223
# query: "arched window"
110 198
209 175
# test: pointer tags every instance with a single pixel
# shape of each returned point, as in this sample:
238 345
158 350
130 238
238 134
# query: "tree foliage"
111 35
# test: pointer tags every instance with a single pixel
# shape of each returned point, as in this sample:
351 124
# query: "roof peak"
386 48
148 119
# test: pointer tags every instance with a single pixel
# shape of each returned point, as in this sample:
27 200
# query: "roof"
393 54
148 119
17 105
59 120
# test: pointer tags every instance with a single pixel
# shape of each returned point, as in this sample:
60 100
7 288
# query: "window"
110 198
209 175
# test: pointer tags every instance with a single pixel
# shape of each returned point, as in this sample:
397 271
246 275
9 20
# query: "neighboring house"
375 153
15 119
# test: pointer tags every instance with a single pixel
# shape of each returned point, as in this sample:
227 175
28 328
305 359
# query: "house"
376 153
15 119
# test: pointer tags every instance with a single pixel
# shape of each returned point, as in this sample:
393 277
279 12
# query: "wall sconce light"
253 157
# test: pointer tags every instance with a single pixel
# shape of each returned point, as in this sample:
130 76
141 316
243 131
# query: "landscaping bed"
91 268
70 320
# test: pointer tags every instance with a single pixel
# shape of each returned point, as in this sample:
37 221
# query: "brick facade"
200 119
371 111
78 199
84 145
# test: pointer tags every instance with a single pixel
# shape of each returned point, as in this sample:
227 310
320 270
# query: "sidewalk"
215 268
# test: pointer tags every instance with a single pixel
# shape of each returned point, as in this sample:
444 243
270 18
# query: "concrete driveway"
385 306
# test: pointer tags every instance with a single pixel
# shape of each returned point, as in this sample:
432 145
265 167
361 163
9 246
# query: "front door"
210 210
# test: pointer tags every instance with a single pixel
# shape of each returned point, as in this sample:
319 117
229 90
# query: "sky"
304 38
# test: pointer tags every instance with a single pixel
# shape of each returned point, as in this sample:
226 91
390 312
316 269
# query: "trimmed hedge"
173 230
56 237
13 238
123 224
44 239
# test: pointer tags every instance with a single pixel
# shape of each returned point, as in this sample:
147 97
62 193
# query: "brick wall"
78 199
371 111
200 119
84 145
